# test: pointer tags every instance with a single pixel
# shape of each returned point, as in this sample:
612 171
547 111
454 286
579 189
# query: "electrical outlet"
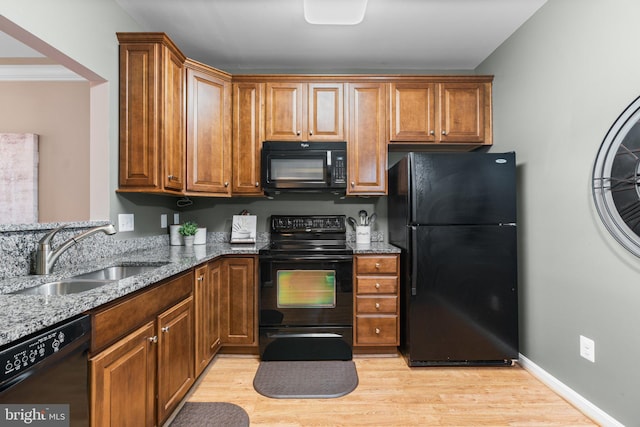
588 348
125 222
163 221
176 218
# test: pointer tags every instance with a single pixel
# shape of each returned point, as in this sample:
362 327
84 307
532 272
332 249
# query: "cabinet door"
366 146
208 133
238 302
248 134
123 381
326 112
462 116
175 356
206 292
285 111
172 125
413 112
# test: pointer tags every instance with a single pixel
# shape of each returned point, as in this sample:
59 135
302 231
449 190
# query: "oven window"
297 169
306 288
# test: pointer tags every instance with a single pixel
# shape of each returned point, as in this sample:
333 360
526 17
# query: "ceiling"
271 36
263 36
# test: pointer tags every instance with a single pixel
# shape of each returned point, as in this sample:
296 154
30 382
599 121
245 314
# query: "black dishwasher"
45 376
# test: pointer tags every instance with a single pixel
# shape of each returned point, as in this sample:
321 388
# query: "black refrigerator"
454 217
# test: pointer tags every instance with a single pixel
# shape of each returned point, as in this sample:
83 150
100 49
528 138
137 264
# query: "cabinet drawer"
379 264
372 330
374 305
376 285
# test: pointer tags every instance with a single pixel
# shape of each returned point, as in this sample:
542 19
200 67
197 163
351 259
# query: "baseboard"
588 408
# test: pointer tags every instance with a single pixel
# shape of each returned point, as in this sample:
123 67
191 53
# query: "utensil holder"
175 239
363 234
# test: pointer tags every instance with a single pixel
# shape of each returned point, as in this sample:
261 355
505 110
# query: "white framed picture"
243 229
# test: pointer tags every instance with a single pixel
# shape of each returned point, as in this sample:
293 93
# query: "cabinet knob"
353 184
310 132
226 183
171 177
200 278
444 132
377 285
165 329
432 132
153 339
377 306
257 184
298 133
378 331
377 265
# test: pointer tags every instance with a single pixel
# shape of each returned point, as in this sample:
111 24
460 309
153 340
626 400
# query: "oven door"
306 308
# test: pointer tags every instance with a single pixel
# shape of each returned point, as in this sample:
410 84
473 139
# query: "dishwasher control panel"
37 348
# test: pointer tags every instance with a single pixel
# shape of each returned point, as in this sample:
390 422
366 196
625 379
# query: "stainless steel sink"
117 272
63 287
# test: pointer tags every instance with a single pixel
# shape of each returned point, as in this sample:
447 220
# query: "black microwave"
289 167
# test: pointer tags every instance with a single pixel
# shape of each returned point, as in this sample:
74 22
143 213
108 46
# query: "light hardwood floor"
389 393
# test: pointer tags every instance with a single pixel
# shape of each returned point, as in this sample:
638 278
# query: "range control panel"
308 223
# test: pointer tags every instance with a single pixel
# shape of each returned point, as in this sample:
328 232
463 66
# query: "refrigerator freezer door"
465 307
462 188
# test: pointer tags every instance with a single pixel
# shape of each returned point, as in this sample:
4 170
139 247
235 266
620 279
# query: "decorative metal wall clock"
616 179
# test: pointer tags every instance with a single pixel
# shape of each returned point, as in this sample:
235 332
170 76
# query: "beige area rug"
209 414
322 379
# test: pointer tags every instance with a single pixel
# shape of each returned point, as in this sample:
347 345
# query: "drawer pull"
377 265
377 285
377 306
165 329
200 278
377 331
153 339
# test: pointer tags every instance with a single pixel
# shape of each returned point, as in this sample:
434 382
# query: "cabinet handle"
226 183
153 339
377 285
171 177
378 331
353 184
377 306
165 329
377 265
257 184
200 278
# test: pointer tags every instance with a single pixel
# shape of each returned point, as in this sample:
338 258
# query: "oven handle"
295 257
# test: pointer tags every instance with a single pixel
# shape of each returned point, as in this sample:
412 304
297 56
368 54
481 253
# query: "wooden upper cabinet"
366 144
248 134
454 114
152 155
304 111
208 144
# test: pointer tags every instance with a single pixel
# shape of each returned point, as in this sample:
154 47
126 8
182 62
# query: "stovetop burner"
308 234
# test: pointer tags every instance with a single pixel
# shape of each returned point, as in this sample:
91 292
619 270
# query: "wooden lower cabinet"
175 356
123 381
238 304
376 302
142 361
207 312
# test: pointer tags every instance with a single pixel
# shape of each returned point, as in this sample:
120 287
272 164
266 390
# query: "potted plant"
188 231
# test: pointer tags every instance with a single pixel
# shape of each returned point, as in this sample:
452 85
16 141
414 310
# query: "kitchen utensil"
363 217
353 222
372 219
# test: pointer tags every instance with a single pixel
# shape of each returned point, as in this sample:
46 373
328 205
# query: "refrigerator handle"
414 260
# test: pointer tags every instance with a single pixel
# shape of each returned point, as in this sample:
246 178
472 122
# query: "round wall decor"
616 179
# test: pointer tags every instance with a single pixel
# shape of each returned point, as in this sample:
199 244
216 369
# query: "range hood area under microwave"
304 167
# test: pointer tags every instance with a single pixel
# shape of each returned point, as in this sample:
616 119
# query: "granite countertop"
26 314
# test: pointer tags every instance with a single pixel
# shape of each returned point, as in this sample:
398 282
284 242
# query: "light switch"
125 222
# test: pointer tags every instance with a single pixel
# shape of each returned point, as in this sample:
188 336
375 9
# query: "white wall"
560 82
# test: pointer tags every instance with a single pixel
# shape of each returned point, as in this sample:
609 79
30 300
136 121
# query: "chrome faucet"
46 256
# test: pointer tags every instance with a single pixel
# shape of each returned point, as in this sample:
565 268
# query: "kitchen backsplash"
18 245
